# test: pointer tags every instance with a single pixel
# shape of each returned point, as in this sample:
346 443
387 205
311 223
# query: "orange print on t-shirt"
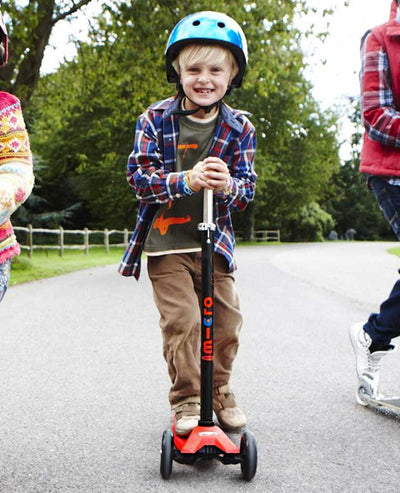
163 223
186 147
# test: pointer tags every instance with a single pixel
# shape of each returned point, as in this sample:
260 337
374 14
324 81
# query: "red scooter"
207 441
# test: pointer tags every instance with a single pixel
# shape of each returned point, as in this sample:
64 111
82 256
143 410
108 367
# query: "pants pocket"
388 207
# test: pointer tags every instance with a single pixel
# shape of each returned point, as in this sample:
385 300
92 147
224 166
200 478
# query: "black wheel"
248 454
167 444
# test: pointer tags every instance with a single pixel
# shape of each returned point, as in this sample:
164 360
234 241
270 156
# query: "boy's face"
205 83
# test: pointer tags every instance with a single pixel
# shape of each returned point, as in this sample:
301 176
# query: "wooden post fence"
61 252
61 244
30 240
107 240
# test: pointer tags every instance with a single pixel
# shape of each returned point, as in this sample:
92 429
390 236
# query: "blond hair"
195 53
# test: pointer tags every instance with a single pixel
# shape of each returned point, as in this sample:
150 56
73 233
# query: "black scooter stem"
207 228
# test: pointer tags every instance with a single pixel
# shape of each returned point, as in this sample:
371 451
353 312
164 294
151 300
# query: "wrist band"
188 173
228 187
186 183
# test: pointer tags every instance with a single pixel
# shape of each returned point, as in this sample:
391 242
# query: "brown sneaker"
229 415
187 412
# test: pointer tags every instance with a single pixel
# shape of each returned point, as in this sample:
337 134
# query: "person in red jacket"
380 160
16 173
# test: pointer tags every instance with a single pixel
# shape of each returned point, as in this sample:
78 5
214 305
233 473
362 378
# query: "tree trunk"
29 69
30 34
248 222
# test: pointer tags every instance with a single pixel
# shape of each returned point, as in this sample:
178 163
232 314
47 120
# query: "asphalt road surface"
83 385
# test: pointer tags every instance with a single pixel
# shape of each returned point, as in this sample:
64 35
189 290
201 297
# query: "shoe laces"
375 361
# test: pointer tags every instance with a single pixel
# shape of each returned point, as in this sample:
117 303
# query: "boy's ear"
234 73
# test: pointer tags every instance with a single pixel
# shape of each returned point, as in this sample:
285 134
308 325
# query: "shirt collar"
226 113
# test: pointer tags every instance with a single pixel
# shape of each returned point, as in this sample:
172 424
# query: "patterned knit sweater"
16 171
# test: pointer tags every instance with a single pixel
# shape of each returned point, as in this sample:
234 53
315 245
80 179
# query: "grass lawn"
395 251
48 263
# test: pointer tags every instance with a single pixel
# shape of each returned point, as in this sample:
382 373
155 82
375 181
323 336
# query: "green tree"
29 28
84 115
352 204
311 224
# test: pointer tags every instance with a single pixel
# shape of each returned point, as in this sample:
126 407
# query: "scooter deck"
382 402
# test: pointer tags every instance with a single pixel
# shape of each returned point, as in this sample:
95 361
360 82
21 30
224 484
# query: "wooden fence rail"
261 235
86 244
61 245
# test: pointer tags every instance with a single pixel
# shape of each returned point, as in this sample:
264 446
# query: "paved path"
363 272
83 384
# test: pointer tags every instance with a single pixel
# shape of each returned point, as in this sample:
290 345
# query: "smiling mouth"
203 91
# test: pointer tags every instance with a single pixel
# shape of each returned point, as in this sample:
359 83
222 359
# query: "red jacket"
380 154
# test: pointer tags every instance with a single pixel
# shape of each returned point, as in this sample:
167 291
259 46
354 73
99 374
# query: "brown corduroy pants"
176 280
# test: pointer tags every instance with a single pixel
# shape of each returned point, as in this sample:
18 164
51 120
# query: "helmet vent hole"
196 23
221 24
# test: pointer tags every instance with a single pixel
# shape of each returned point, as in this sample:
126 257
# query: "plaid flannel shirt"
151 173
380 117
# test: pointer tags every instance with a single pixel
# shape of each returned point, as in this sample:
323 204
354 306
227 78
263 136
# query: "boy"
183 145
16 173
380 160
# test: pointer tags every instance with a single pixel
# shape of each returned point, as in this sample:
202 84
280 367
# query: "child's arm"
380 116
238 190
146 174
242 185
16 173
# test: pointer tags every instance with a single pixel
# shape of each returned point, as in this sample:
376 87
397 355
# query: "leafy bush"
311 224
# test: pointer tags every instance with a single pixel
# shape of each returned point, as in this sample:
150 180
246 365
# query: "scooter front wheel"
248 454
167 444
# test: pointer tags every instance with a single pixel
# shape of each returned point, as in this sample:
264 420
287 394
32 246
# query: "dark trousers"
385 325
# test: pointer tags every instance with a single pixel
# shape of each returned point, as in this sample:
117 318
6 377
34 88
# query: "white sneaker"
368 365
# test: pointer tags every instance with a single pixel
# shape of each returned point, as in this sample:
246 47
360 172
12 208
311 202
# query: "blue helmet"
207 27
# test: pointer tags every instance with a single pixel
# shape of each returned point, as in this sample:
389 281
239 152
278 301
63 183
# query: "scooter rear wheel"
167 444
248 454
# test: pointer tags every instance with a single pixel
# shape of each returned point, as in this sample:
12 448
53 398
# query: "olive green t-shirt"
174 227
